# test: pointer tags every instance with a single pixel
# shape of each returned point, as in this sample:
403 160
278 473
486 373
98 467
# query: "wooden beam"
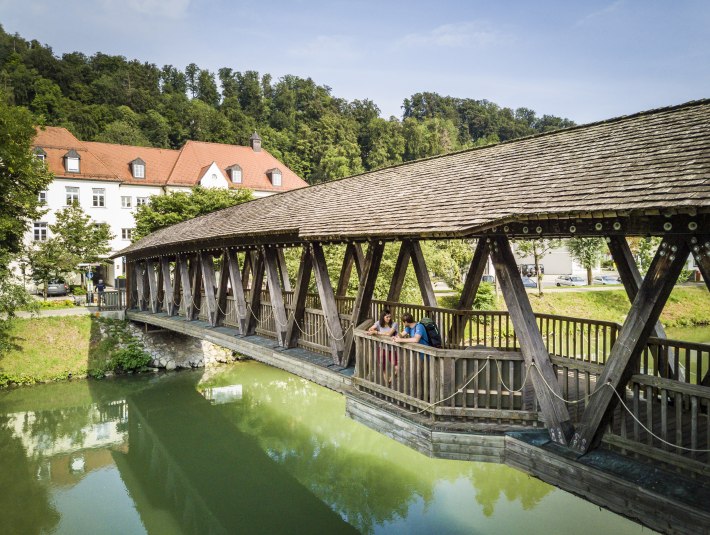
168 296
470 288
303 280
257 261
273 283
140 285
130 285
346 270
184 274
700 246
160 297
222 287
208 283
623 359
283 270
235 281
246 268
330 308
195 286
532 346
400 271
363 300
425 286
359 259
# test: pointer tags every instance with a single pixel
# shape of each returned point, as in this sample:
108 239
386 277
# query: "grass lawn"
52 348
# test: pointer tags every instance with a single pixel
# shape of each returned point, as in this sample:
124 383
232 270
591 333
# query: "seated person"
414 333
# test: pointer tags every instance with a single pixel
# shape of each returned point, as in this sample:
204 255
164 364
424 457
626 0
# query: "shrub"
130 358
78 290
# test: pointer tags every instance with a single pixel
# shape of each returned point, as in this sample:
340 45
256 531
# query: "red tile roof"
185 167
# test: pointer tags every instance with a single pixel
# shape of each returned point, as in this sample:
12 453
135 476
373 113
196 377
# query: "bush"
485 298
78 290
130 358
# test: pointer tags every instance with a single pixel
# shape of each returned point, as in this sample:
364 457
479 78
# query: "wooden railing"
108 300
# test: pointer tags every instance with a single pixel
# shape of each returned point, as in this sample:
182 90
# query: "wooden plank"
273 283
532 345
254 305
235 280
168 299
346 270
303 279
160 287
130 285
359 259
222 287
140 285
208 283
470 288
330 308
700 246
177 288
186 287
425 286
650 299
363 300
247 268
283 270
400 270
195 286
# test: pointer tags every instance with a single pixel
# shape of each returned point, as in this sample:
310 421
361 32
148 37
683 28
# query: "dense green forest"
319 136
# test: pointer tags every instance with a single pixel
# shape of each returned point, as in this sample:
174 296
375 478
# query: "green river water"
246 449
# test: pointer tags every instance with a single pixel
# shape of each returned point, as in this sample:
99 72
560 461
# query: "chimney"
255 142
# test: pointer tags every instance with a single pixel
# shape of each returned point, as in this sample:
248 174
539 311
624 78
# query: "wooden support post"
400 270
254 307
235 280
425 285
470 288
363 300
345 271
246 268
271 265
330 308
222 287
299 298
140 285
177 287
208 283
183 273
700 246
359 259
532 346
623 360
195 286
283 270
130 285
168 299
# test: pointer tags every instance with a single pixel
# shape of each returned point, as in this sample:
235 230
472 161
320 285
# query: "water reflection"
246 449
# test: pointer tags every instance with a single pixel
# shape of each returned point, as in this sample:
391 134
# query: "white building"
109 181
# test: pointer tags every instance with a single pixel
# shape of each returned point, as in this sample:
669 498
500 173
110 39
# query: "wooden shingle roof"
648 162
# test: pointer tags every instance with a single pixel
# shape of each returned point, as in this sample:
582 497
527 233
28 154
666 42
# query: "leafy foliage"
165 210
586 251
538 249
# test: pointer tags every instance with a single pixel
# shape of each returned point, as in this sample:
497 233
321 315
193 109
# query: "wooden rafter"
363 300
420 270
273 283
532 347
222 288
400 271
283 270
623 358
235 281
208 283
254 306
303 280
330 307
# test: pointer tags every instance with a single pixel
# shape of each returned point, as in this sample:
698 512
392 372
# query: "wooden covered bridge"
587 382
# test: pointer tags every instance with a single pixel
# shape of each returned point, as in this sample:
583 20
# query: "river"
246 449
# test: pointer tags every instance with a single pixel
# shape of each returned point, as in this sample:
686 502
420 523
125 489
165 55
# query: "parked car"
606 279
529 283
56 287
570 280
488 278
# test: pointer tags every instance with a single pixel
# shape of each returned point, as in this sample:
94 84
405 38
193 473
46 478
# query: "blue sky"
583 60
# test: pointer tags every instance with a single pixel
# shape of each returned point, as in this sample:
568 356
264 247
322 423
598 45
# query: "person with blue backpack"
423 332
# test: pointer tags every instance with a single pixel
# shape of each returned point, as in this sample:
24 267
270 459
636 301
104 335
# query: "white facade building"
110 181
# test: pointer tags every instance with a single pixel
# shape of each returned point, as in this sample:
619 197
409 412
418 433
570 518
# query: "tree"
586 251
165 210
87 241
538 249
49 260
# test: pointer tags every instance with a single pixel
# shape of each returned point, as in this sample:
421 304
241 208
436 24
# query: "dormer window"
40 153
138 168
71 161
275 177
235 173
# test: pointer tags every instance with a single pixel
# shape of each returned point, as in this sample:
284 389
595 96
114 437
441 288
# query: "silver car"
57 287
606 279
570 280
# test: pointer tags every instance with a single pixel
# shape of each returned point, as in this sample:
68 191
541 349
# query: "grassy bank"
686 306
54 348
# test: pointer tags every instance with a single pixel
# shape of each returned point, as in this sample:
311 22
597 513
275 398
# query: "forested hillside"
319 136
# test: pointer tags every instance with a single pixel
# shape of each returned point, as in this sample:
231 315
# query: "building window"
72 195
40 153
71 161
127 234
275 176
235 173
138 168
42 197
126 202
140 201
40 231
99 200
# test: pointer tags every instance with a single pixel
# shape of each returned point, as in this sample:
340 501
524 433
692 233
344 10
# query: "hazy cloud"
326 48
457 35
600 14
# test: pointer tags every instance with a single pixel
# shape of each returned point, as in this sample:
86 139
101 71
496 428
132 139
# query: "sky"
585 60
